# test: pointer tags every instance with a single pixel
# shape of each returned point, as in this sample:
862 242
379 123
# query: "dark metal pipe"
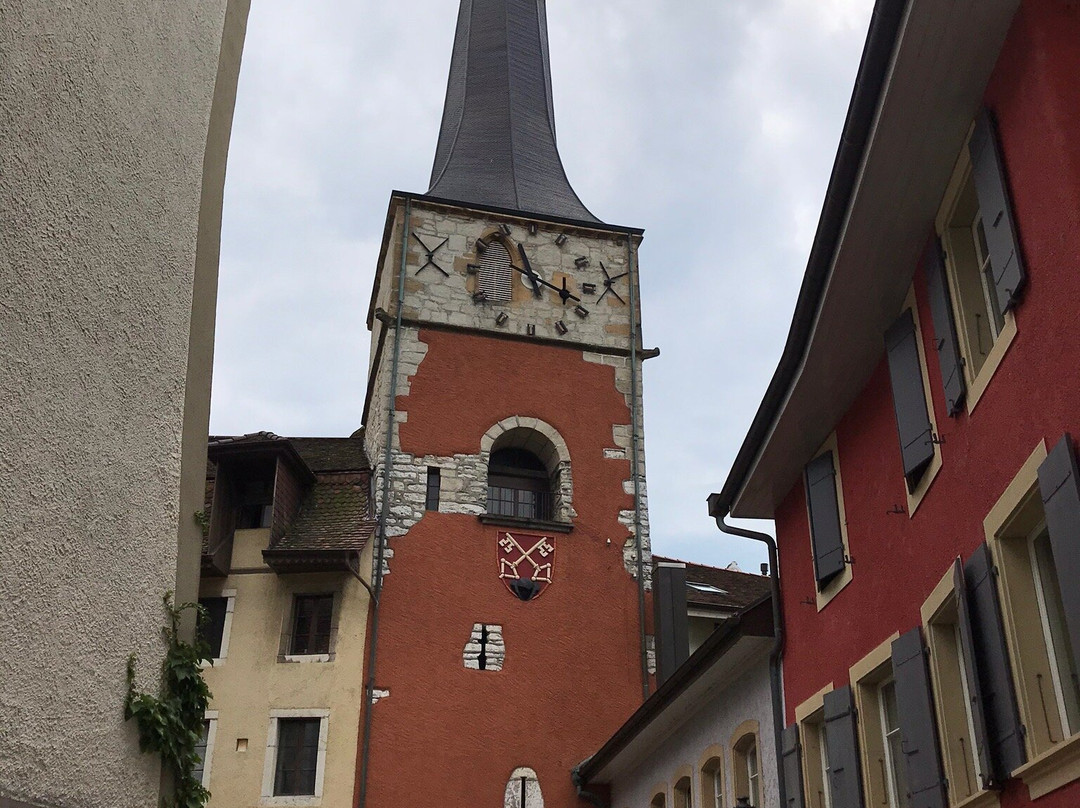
582 792
634 465
380 554
777 652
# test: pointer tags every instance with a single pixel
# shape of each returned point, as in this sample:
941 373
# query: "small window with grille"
495 276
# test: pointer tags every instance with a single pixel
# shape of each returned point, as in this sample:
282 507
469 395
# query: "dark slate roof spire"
497 141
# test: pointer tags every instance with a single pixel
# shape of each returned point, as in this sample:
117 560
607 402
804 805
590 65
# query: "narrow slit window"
434 484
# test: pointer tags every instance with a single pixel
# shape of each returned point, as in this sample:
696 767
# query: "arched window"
518 485
747 769
712 783
682 793
529 474
523 790
659 800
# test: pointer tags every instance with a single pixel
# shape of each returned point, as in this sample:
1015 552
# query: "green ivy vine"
171 723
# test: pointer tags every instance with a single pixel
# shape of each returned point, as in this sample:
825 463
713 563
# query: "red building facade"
503 415
914 447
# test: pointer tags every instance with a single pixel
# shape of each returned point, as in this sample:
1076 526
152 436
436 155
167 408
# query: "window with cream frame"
810 716
956 730
712 780
682 792
1041 659
983 331
746 763
870 678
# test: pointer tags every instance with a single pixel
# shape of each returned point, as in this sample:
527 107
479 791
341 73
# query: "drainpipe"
380 547
582 792
635 429
777 652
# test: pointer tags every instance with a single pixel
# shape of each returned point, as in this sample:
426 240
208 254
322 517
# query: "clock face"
515 279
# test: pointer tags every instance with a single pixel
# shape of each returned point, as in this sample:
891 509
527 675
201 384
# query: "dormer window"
518 485
256 504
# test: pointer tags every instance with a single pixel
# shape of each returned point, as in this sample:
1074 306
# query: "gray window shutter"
670 620
988 171
971 673
909 398
792 768
945 342
845 776
825 533
1059 483
918 726
1003 726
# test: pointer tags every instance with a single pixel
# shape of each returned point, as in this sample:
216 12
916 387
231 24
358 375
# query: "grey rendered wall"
114 122
746 698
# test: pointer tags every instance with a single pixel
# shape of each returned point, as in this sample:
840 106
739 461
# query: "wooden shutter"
909 398
991 186
974 685
670 619
1059 483
792 768
918 726
841 733
825 532
991 653
945 341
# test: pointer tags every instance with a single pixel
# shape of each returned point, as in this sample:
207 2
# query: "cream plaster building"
286 564
114 120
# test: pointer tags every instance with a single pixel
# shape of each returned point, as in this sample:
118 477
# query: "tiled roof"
320 454
332 454
738 589
334 516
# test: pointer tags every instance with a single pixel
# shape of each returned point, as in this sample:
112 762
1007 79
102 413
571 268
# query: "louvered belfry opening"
495 276
497 140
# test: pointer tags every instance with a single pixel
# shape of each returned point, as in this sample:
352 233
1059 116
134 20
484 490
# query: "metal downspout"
380 554
582 791
635 468
778 643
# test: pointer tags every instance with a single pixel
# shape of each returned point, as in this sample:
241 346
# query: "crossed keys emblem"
526 572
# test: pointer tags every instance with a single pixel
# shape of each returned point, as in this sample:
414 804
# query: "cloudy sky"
710 123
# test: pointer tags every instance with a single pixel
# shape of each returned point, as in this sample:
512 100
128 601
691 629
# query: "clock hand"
533 277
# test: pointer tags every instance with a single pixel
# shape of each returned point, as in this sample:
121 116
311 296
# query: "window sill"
1053 769
307 658
216 662
835 586
543 525
291 801
982 799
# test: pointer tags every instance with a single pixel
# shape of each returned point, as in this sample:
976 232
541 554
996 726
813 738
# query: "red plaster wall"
451 737
1035 93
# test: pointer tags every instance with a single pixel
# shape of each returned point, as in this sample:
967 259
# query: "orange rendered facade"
442 732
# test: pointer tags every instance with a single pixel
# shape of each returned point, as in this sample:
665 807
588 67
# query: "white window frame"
823 756
890 764
753 773
210 716
1048 635
270 761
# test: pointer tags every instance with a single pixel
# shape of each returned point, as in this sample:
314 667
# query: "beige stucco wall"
114 120
252 682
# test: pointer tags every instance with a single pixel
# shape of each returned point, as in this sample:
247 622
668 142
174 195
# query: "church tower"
503 422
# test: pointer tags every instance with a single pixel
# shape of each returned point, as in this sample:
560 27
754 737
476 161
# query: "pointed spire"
497 141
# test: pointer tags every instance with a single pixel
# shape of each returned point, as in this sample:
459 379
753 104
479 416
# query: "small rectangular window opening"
212 627
312 620
434 484
297 756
